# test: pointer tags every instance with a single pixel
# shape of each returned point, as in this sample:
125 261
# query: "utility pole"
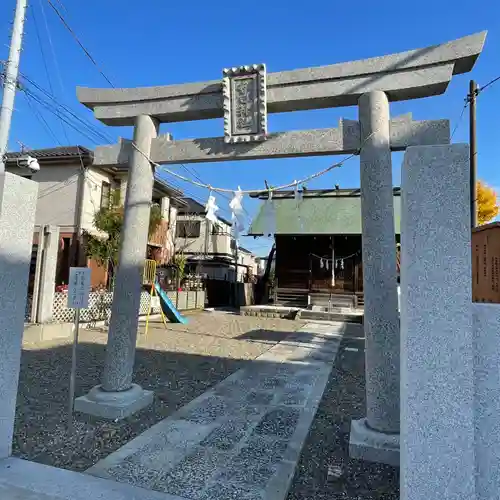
10 78
473 91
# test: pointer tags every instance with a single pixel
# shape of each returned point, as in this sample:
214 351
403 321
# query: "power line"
41 119
101 135
468 100
87 53
58 114
460 118
488 84
60 110
42 51
56 66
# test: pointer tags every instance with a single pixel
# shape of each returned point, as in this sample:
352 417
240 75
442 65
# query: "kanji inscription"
245 106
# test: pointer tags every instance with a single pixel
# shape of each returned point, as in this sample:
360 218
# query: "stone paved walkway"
241 439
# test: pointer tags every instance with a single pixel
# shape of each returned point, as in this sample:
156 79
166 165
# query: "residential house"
72 190
248 266
209 247
261 265
318 242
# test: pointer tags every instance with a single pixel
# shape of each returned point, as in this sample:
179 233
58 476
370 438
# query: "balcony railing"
159 237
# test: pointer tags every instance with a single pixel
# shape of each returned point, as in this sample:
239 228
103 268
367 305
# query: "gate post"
437 389
49 239
376 438
117 396
18 200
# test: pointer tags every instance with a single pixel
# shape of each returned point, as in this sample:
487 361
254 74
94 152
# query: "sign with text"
78 287
245 104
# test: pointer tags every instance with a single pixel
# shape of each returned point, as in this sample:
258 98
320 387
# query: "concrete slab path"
24 480
242 438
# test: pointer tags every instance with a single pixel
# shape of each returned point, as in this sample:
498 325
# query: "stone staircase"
291 297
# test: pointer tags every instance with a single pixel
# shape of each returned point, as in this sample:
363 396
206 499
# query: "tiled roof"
320 212
53 153
174 193
62 153
243 249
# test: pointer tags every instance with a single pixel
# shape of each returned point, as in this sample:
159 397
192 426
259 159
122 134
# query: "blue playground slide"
168 308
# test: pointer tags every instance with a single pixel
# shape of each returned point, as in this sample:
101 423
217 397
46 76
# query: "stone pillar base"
373 446
114 405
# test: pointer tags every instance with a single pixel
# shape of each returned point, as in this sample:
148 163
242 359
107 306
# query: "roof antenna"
23 147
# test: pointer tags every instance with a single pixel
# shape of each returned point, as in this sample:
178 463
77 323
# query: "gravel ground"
325 470
178 363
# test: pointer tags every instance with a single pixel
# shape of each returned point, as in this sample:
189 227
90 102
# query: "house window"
188 229
217 229
105 194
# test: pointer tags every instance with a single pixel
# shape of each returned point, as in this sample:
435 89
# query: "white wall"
92 196
165 207
172 224
123 187
248 259
57 194
217 243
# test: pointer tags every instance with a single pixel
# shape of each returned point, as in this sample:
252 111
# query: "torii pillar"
117 397
376 437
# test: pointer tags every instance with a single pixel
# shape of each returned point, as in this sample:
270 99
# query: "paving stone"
280 422
9 492
212 408
309 379
259 397
296 396
228 435
254 476
262 450
190 477
168 447
137 475
230 492
239 433
273 382
231 390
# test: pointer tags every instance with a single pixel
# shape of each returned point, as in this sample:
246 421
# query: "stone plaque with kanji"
245 106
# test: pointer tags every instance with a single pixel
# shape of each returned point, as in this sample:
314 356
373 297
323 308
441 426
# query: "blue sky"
156 42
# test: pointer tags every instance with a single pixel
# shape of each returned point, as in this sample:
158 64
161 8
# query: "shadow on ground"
177 378
327 445
262 335
42 404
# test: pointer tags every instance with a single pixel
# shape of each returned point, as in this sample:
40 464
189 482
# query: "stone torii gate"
244 97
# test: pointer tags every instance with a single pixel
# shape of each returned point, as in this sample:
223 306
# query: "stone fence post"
49 245
18 202
437 393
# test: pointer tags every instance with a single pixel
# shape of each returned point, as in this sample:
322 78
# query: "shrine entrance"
243 98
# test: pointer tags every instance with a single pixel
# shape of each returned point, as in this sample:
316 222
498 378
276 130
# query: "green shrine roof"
320 212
